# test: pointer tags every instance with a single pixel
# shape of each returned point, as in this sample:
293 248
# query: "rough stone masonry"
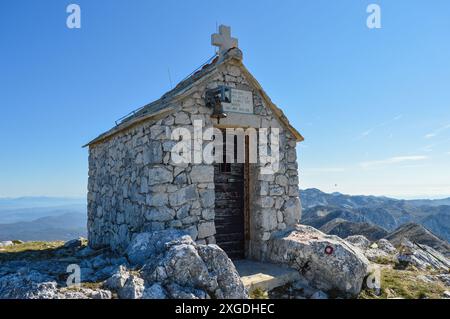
135 186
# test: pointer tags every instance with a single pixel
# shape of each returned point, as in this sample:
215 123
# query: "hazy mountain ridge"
39 201
42 218
51 228
344 228
320 208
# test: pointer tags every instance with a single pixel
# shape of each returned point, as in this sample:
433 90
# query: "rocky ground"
156 265
168 264
410 270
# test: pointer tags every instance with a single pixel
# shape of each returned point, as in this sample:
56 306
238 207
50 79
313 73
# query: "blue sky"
373 104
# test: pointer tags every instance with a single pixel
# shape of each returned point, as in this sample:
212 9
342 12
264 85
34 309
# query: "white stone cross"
223 40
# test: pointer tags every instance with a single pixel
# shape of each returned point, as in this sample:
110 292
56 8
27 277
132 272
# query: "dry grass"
385 260
258 293
35 250
405 284
32 246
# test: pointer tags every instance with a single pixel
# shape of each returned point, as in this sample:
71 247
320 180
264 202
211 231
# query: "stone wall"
134 186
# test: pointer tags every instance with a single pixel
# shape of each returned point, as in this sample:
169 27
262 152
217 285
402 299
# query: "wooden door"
230 221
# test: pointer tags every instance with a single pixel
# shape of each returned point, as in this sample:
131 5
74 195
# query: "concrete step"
265 276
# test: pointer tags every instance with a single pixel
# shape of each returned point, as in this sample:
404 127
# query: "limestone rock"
133 288
228 279
155 291
422 256
445 278
386 246
82 293
375 254
118 280
145 246
32 285
327 261
359 241
183 268
6 243
85 252
74 243
179 292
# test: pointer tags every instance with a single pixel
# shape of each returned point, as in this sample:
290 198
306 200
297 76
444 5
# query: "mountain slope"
344 228
387 213
320 215
418 233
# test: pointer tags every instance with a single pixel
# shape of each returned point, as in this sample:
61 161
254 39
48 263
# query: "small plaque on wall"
241 102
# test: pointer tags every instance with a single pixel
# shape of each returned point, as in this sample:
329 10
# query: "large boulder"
117 281
386 246
74 243
172 265
144 246
359 241
375 252
329 262
376 255
133 288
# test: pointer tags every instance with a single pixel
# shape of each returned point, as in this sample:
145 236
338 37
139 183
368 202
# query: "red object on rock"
329 250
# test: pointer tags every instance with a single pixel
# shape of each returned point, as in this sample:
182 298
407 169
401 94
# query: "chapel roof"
165 105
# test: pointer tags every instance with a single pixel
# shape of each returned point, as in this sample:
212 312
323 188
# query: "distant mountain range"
51 228
42 218
41 201
375 217
427 221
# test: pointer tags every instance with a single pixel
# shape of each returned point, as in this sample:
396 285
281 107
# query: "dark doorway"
229 179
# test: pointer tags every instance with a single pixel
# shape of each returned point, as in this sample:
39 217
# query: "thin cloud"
437 131
430 147
385 123
393 160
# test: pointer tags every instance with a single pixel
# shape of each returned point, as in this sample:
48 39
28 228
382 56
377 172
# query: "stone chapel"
136 186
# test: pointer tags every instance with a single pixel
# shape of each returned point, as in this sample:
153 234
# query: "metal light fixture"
214 99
